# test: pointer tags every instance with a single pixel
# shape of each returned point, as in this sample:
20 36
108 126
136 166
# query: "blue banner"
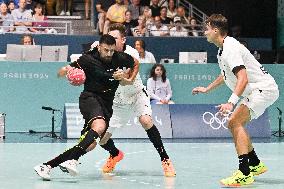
204 121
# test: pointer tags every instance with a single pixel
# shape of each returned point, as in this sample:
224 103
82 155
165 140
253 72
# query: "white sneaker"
71 166
62 13
68 13
43 171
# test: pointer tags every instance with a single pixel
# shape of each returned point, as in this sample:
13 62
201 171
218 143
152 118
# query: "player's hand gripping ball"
75 76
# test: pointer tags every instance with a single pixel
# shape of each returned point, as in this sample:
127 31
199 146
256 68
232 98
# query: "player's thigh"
259 100
121 115
142 105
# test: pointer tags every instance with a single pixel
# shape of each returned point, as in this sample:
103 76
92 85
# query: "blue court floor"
198 165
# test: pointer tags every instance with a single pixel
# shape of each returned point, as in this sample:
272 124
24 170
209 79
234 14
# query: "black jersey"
99 78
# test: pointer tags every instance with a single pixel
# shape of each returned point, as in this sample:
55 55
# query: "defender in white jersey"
247 78
131 100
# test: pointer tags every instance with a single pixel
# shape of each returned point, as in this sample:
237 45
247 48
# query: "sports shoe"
62 13
70 166
259 169
237 179
112 161
168 167
43 171
68 13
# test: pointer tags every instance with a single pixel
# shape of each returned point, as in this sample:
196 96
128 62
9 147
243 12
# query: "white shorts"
122 113
258 101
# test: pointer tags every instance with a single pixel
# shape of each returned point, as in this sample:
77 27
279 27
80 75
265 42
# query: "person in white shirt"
22 17
178 30
247 78
144 56
158 85
158 29
132 100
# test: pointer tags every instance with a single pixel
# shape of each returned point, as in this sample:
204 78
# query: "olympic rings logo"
216 121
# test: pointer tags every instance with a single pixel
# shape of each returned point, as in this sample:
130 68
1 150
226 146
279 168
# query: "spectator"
102 6
11 6
115 14
5 19
164 18
136 9
27 40
87 9
159 86
171 9
194 30
22 17
144 56
39 19
129 23
181 14
158 29
147 13
178 30
61 4
155 8
140 30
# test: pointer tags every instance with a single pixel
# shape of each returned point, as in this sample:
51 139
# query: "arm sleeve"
169 90
234 58
151 89
81 63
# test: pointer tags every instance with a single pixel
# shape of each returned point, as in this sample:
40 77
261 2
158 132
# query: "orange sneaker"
168 168
112 161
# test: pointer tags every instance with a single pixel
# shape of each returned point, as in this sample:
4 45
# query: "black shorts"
92 107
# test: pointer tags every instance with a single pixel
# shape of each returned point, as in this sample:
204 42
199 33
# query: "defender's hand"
226 108
197 90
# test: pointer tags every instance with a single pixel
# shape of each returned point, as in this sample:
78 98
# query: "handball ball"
76 76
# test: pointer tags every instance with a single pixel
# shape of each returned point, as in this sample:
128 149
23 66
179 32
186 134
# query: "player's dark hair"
154 76
120 27
107 39
218 21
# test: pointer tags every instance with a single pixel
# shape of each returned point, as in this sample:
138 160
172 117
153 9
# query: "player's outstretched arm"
218 81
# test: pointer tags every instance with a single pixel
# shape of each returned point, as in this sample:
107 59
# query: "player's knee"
233 123
146 121
99 126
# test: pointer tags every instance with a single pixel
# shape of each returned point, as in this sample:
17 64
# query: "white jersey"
235 54
126 94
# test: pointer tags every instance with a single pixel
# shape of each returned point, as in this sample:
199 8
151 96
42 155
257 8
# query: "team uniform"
95 102
130 100
261 90
99 88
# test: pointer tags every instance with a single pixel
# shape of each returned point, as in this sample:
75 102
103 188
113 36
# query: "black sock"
244 164
253 159
80 149
155 137
76 151
110 147
59 159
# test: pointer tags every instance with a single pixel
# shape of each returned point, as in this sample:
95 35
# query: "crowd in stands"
147 18
29 16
